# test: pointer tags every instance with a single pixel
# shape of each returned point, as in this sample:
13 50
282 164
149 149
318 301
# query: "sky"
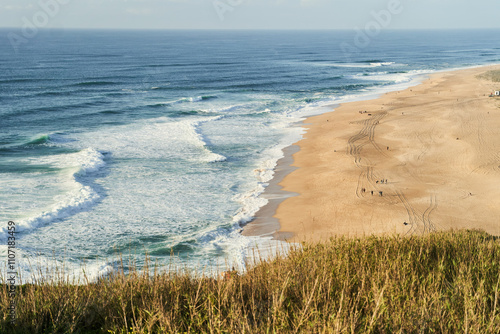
250 14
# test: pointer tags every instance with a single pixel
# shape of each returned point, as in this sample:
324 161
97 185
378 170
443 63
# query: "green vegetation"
437 283
491 75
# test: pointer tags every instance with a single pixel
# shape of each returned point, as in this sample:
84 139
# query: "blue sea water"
161 142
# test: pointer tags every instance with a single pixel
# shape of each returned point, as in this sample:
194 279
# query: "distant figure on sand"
380 193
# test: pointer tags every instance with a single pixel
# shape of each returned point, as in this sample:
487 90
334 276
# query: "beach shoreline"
429 153
264 223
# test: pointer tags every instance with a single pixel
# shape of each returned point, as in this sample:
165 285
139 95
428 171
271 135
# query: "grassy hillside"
438 283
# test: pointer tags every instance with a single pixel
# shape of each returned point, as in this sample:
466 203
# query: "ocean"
159 143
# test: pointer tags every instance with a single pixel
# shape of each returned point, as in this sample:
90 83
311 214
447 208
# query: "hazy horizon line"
245 29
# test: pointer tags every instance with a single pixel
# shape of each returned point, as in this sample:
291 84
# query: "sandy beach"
413 161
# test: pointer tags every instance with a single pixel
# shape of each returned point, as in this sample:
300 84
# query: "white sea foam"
251 201
395 78
76 197
195 99
80 163
358 65
240 251
190 99
209 155
159 138
244 251
36 268
58 138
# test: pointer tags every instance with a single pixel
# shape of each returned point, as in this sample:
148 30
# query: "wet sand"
264 224
430 154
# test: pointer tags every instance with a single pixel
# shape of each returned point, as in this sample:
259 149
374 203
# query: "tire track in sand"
418 221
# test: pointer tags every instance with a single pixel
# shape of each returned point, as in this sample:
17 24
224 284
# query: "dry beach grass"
445 282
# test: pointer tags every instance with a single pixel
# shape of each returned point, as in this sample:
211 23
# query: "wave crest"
81 194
